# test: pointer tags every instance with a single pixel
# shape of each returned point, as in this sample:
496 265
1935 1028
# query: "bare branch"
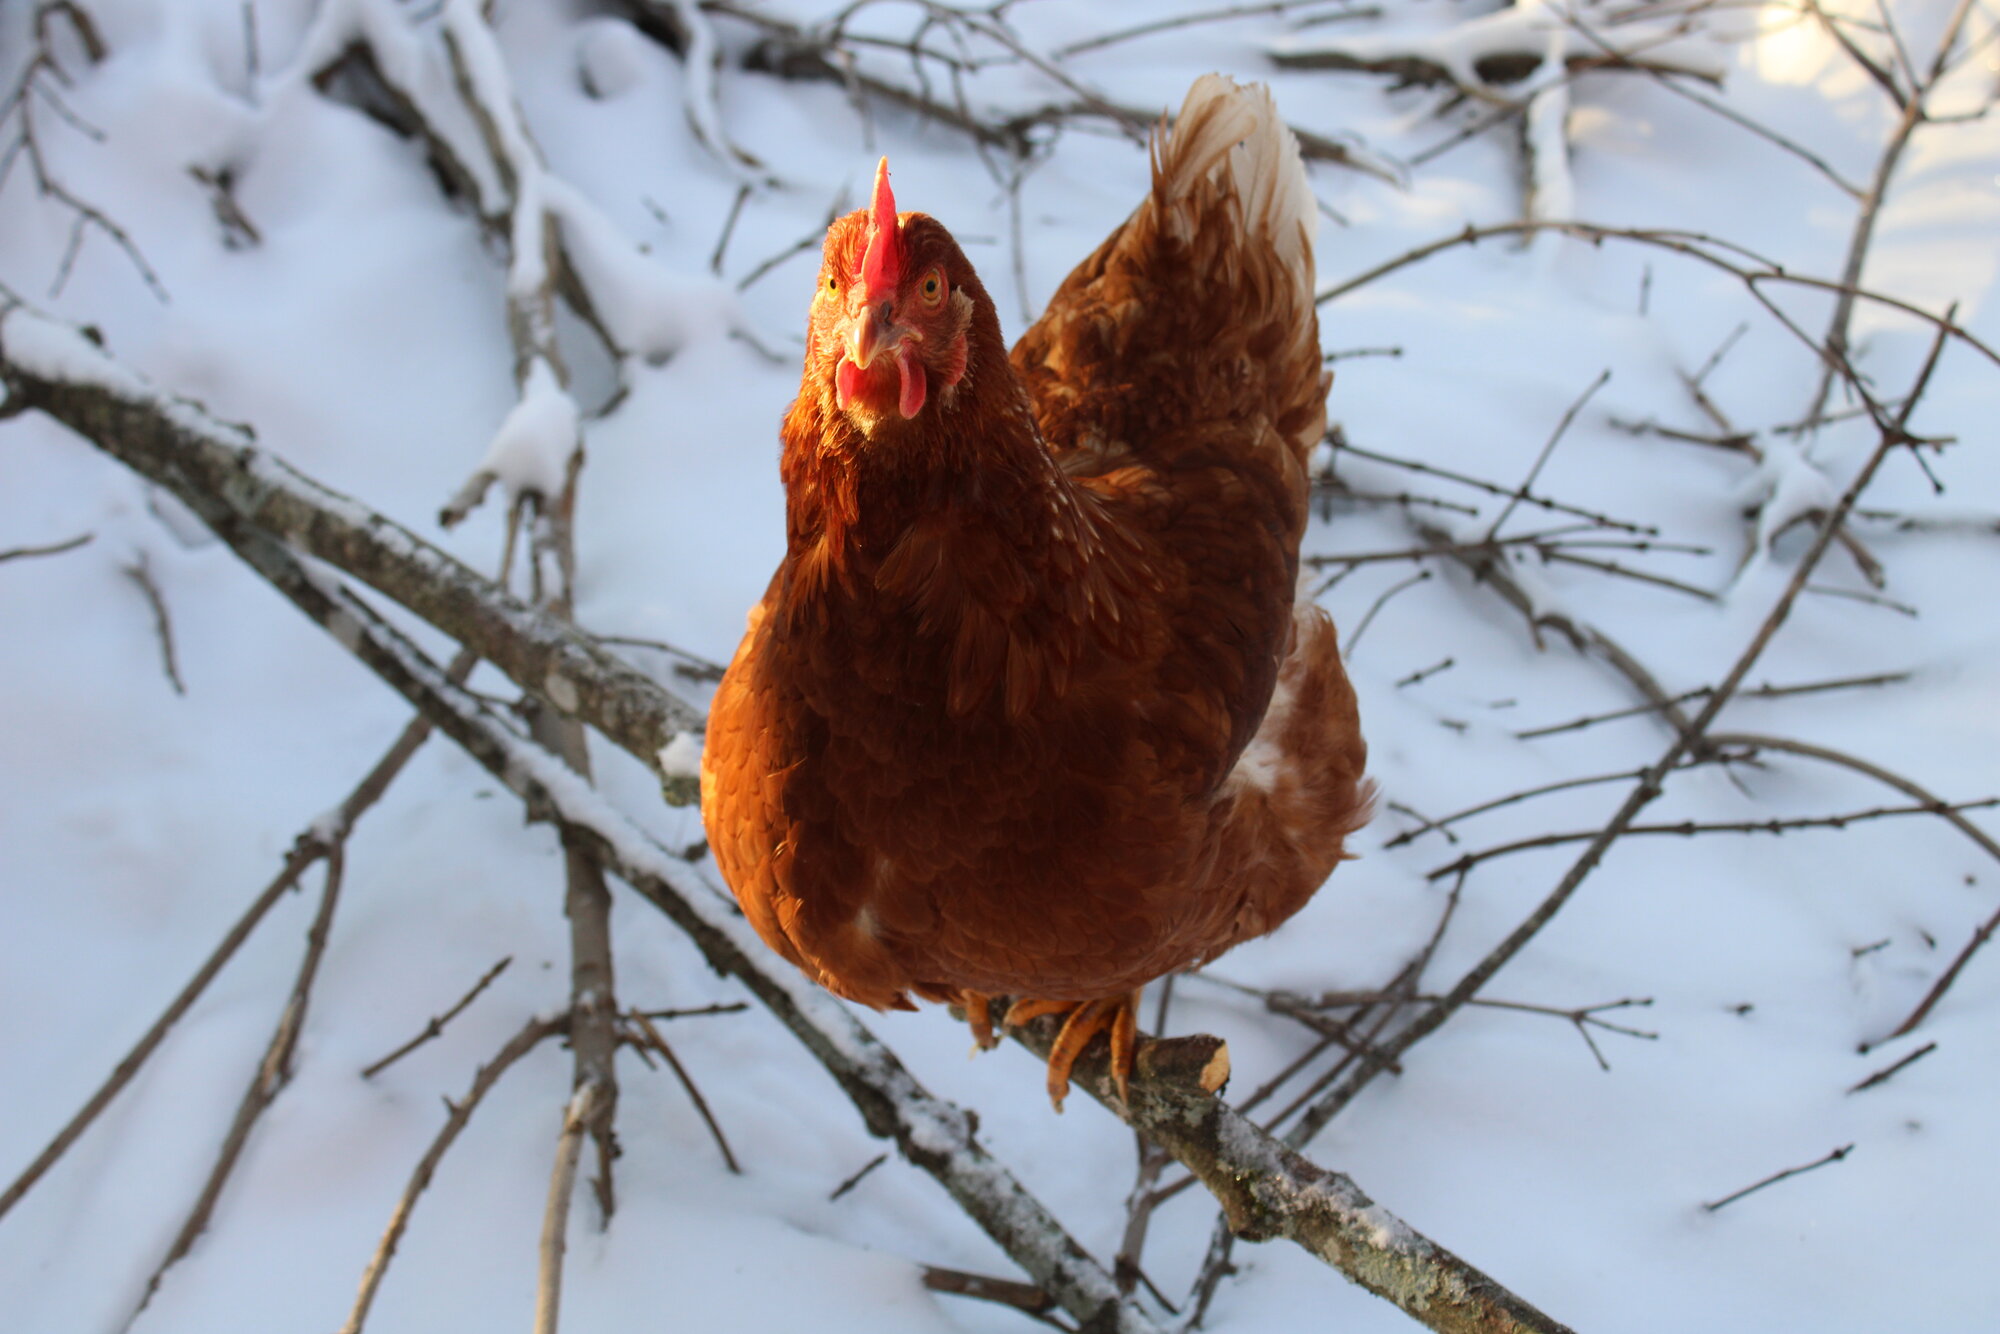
1888 1072
582 1113
274 1071
51 549
1775 1177
1985 841
1706 249
140 572
459 1113
652 1040
435 1028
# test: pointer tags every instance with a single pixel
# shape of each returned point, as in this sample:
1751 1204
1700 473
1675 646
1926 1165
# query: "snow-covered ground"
359 326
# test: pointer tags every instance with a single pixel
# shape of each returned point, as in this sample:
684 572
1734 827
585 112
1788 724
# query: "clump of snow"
681 756
530 453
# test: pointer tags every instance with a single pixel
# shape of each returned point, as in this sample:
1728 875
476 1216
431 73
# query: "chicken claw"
979 1013
1119 1015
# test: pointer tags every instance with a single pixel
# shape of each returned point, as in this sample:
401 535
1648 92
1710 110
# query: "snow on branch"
54 368
1531 40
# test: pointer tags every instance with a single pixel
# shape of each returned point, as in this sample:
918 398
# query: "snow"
364 341
681 756
530 452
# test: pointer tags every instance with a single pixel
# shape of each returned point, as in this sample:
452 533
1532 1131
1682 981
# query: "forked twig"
650 1038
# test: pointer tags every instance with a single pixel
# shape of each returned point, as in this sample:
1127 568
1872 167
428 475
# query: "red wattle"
846 383
910 401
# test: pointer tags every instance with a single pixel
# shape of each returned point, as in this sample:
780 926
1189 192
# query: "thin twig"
1527 485
1888 1072
856 1179
1023 1297
1368 617
140 572
1690 828
52 549
1775 1177
1913 114
652 1039
459 1113
1699 692
1709 250
580 1116
273 1073
435 1027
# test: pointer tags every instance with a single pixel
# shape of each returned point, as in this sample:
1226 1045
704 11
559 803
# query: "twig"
728 228
1545 541
1527 485
304 853
723 1007
1699 692
1369 616
52 549
1345 12
1425 673
1666 78
435 1027
1921 794
459 1113
533 269
1698 246
1582 1017
21 101
856 1179
581 1115
274 1071
140 572
1023 1297
1626 572
1491 488
1913 114
1888 1072
650 1037
1690 828
1833 1157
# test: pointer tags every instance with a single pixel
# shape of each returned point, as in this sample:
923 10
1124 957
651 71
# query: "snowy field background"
329 295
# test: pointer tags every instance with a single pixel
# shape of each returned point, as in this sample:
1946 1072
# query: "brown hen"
1028 709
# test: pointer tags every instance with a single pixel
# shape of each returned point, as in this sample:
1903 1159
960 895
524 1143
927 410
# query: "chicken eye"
832 284
933 288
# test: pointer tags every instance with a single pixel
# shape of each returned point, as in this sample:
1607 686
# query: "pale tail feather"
1224 127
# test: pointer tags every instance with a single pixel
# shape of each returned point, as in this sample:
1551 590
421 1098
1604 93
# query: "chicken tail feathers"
1230 134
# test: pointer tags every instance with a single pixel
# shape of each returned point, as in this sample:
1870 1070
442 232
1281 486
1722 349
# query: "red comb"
882 265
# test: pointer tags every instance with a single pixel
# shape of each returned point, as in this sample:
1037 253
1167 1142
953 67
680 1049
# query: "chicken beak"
871 334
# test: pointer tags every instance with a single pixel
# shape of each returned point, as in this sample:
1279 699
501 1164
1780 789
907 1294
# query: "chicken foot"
1117 1016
